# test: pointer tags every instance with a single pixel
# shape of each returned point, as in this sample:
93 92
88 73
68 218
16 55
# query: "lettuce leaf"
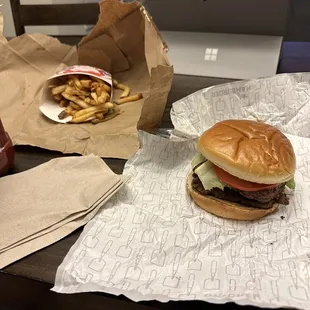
208 176
198 159
291 184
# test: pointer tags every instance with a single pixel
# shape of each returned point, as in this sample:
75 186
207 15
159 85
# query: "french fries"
57 97
106 118
125 88
87 98
63 103
94 110
58 89
99 115
77 92
82 118
75 99
74 106
128 99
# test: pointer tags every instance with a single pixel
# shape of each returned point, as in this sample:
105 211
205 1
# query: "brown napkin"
44 204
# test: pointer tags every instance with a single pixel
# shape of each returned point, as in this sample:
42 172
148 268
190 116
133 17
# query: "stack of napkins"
40 206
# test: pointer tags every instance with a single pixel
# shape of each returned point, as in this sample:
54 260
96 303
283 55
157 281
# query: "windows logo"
211 54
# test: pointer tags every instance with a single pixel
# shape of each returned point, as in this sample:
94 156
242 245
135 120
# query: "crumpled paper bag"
51 200
157 244
125 43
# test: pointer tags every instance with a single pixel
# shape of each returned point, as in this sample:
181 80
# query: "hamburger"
242 170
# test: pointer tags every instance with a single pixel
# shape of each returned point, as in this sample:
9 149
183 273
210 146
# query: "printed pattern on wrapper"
150 241
281 101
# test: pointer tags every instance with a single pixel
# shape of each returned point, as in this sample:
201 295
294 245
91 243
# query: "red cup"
7 152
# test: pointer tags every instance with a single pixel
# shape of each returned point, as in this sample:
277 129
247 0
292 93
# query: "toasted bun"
226 209
249 150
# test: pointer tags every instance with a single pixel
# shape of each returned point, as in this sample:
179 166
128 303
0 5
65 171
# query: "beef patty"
261 199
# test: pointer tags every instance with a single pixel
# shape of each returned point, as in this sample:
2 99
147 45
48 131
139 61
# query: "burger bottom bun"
227 209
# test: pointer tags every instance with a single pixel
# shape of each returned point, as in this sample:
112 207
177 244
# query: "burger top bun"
249 150
226 209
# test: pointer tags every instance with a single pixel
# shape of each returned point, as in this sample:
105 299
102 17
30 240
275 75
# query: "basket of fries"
80 94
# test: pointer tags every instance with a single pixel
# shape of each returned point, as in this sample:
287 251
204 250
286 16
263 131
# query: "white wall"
9 30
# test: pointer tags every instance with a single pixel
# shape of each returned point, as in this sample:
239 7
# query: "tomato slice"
240 184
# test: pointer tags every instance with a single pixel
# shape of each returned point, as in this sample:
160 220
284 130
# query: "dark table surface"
32 277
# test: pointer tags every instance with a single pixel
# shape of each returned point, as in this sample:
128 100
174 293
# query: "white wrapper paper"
152 242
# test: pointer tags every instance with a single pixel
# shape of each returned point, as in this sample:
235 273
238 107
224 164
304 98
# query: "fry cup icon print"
149 234
296 291
173 280
233 105
235 228
306 170
201 226
117 231
232 287
270 97
233 269
112 274
190 285
271 269
245 101
97 264
159 256
70 273
92 240
303 233
149 196
253 284
146 288
274 291
177 194
269 236
181 240
134 272
159 209
125 285
139 217
194 117
140 182
212 283
125 250
249 250
156 173
288 253
186 205
215 248
166 185
173 217
195 263
300 212
219 105
281 102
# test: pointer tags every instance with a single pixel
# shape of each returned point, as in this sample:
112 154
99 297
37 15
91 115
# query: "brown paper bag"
124 42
